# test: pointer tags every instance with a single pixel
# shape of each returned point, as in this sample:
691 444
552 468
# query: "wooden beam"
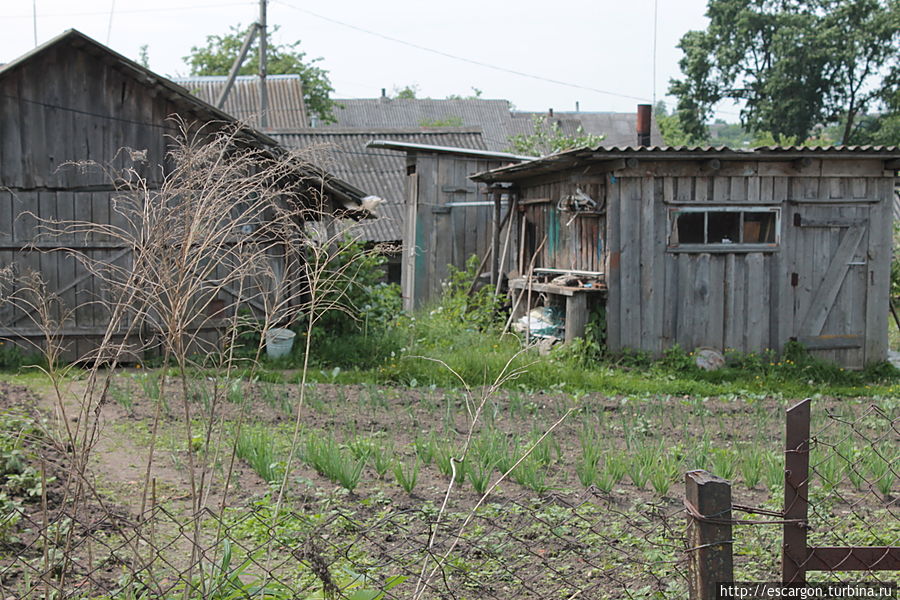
802 163
873 558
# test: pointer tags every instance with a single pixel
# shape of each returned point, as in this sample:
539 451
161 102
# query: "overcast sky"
597 52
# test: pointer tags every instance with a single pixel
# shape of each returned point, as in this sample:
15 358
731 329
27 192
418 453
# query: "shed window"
723 226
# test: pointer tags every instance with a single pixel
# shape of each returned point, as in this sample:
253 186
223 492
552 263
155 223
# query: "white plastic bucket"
279 342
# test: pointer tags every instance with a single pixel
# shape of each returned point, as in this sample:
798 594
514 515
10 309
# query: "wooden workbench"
576 302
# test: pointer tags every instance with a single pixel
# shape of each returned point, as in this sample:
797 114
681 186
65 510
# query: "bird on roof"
371 203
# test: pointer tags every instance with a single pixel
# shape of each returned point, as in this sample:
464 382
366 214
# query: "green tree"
220 52
548 138
144 56
791 63
671 128
408 92
475 95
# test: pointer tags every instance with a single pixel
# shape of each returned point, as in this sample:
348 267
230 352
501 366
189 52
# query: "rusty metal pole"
796 493
710 542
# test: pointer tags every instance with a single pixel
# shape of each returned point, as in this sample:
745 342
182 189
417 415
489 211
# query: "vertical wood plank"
757 301
721 189
738 189
702 189
879 272
671 301
684 189
781 322
629 239
649 333
732 317
684 333
613 267
714 334
441 251
660 240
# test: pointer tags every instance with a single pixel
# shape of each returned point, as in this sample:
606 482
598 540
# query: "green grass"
330 460
255 445
478 356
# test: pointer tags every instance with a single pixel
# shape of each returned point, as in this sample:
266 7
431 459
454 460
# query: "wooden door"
829 281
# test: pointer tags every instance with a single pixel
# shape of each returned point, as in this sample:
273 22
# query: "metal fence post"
796 493
708 500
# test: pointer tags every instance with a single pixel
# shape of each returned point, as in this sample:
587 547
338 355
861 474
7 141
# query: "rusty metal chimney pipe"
643 124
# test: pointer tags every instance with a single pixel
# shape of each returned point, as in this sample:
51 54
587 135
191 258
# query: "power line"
134 10
470 60
460 58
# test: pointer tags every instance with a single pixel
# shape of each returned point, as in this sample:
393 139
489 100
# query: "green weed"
407 477
255 445
479 473
328 459
751 460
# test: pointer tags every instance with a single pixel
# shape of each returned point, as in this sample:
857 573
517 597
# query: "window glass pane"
724 228
689 228
759 228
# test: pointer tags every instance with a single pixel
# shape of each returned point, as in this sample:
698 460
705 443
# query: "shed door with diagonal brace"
828 272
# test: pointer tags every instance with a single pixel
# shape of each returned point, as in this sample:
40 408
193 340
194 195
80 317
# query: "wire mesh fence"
524 547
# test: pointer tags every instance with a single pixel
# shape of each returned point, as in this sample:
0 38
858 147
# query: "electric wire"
470 60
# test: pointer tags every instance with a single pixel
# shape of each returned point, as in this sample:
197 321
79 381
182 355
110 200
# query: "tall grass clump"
254 444
326 456
407 476
591 452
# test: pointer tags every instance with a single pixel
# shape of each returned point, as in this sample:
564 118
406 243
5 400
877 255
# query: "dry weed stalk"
221 243
474 410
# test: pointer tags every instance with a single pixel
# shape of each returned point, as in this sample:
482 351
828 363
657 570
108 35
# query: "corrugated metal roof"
287 109
379 172
429 148
563 160
495 118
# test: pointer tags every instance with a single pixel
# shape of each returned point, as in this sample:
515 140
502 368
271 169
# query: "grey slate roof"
492 116
497 120
619 129
287 109
343 152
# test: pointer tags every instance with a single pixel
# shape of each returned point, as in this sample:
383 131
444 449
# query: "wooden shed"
73 99
711 247
448 216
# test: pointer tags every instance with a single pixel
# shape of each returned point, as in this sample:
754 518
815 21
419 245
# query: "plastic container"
279 342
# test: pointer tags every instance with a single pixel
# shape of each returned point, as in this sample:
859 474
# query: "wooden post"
709 541
495 240
576 316
796 492
263 67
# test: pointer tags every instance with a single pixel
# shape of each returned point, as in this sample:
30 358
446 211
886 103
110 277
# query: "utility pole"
263 43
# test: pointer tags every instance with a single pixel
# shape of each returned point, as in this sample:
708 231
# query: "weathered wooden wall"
750 301
449 219
562 239
747 299
73 103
